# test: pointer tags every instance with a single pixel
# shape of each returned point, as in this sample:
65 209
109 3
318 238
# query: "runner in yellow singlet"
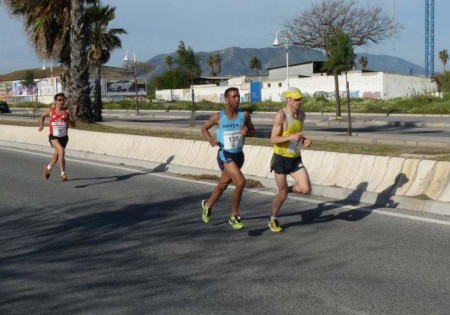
287 139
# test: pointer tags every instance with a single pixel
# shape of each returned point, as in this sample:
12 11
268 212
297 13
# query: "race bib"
233 139
294 146
59 129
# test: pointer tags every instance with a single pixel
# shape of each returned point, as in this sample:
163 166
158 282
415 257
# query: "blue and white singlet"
229 134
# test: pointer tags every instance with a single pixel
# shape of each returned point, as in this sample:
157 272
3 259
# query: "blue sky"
157 26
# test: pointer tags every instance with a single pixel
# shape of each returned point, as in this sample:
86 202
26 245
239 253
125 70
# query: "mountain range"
235 61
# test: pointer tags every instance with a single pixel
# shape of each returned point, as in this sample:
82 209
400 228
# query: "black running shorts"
284 165
62 140
227 157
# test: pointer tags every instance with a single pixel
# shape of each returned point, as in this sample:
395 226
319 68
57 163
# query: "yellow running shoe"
275 226
63 177
206 212
235 222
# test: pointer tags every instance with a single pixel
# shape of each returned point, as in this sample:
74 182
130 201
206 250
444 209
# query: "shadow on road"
319 214
108 179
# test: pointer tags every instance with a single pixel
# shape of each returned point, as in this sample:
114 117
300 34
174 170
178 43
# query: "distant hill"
235 60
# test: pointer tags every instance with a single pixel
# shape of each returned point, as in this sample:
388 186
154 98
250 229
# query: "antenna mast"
429 38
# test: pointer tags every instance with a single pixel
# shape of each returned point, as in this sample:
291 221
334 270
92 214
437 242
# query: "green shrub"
318 104
424 103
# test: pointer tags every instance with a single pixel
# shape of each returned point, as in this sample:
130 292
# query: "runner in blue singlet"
233 125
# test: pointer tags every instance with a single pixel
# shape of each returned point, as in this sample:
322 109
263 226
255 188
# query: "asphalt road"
122 240
383 128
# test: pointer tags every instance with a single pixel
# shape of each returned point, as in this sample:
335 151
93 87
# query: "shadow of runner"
315 215
353 199
108 179
383 200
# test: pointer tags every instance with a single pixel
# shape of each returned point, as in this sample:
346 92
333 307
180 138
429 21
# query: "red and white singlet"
59 123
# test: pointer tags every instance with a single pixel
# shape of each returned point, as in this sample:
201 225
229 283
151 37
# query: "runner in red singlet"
60 118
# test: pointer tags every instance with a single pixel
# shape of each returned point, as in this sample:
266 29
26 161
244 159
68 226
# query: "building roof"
210 80
314 62
107 72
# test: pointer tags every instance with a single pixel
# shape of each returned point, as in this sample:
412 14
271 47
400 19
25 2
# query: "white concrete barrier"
377 174
438 186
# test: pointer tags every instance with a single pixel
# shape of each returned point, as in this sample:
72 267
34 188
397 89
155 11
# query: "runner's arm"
249 129
42 119
213 121
306 142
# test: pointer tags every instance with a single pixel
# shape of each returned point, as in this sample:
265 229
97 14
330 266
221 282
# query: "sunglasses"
298 99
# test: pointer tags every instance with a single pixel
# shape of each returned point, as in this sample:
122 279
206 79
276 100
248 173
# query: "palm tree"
102 41
255 64
58 30
169 62
211 63
443 56
341 60
189 64
363 62
79 70
41 21
47 25
218 64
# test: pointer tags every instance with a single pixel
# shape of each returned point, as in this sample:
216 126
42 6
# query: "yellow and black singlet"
290 149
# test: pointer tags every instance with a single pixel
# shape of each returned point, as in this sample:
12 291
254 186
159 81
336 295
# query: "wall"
211 93
373 85
294 71
397 85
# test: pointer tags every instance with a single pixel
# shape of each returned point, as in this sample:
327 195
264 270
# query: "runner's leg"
58 155
238 178
280 197
302 183
224 181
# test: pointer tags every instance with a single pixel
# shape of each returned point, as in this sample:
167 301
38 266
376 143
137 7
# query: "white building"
308 77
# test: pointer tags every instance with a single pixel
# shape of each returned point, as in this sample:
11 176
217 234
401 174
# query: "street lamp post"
135 76
349 115
276 43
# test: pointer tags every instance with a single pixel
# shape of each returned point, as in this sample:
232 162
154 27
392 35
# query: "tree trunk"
337 96
97 107
65 82
65 77
79 71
